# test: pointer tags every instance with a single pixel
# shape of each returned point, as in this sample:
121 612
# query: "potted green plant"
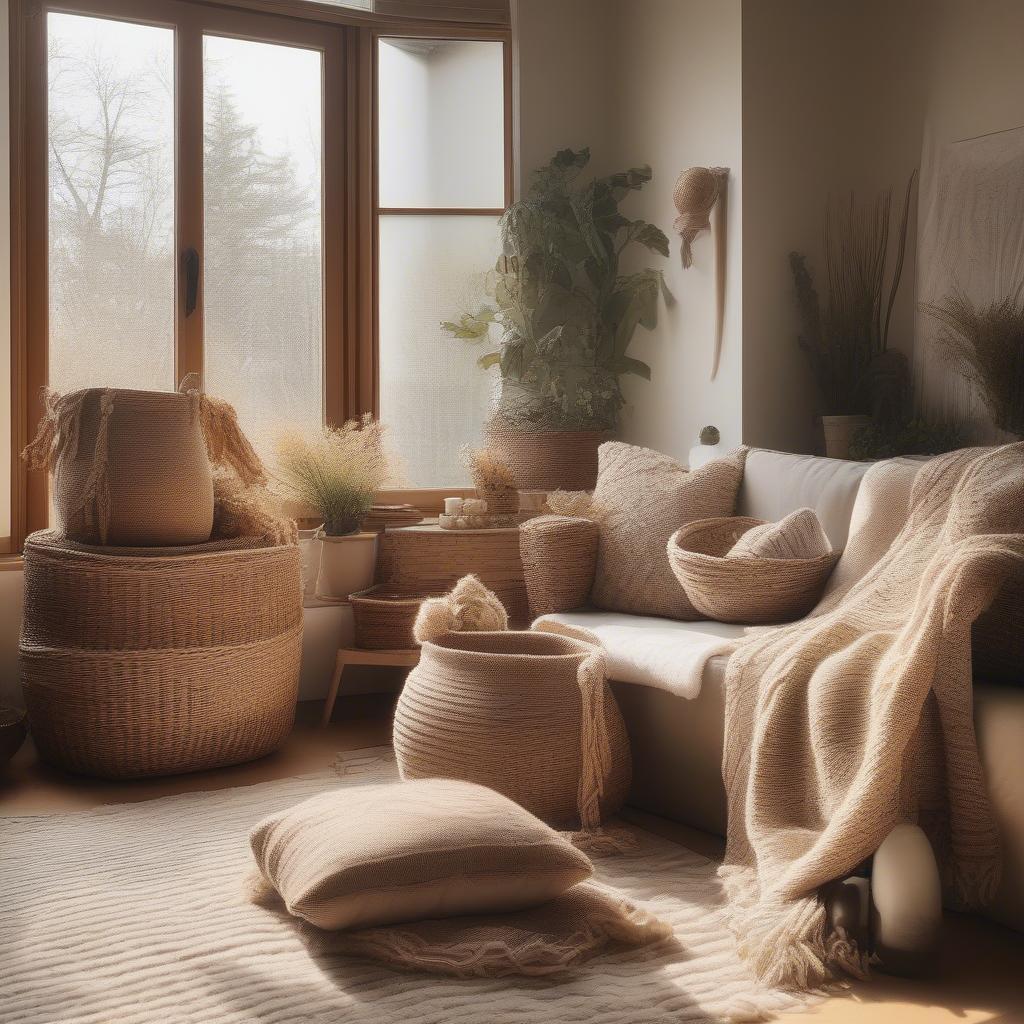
335 474
846 337
566 315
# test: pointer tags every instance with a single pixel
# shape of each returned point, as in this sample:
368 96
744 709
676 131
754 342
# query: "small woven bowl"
746 591
12 732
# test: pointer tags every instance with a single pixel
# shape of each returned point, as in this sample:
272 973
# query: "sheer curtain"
971 239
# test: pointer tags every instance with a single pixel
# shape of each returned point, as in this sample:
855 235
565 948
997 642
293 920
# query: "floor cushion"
377 855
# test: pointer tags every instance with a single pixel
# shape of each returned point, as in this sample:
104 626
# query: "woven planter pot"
748 591
384 616
527 714
548 460
134 470
502 502
839 432
156 664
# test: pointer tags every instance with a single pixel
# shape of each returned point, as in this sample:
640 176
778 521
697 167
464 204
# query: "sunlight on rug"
134 913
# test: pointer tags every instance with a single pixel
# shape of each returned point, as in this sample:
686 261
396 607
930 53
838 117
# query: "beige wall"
833 100
656 82
677 93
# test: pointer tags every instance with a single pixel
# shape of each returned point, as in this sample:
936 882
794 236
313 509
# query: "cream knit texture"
842 725
642 498
798 535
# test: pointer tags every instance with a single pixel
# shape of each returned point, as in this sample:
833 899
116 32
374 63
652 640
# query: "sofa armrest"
559 556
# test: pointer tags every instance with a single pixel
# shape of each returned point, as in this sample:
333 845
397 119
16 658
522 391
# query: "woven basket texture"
502 502
384 616
558 555
509 710
433 561
749 591
547 460
148 446
137 665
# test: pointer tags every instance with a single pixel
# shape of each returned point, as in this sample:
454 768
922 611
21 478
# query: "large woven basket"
750 591
524 713
144 664
385 614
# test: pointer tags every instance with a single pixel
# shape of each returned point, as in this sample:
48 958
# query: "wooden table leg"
332 693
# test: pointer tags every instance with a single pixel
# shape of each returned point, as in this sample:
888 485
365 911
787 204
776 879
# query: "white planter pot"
347 564
838 432
309 550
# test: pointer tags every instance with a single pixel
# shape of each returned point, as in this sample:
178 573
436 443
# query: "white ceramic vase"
347 564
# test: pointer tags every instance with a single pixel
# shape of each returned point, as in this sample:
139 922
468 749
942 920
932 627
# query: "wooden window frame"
350 212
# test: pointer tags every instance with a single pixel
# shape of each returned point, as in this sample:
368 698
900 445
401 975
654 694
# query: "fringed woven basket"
558 555
385 614
160 663
528 714
749 591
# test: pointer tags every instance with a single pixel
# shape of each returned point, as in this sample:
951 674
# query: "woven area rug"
134 914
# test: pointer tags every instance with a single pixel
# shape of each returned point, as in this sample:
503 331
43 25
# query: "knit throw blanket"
842 725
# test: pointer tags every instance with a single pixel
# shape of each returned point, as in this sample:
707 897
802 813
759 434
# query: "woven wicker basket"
547 460
385 614
750 591
137 665
558 555
513 711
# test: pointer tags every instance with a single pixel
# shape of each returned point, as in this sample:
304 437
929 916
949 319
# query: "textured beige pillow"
376 855
798 535
642 498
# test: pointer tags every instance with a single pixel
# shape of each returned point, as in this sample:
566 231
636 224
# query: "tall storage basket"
138 663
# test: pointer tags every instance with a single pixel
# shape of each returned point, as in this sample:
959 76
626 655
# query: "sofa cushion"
648 651
642 497
777 483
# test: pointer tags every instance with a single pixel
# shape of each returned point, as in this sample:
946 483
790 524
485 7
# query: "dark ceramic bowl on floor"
12 732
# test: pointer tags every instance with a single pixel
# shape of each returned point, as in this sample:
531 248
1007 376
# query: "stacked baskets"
141 664
140 661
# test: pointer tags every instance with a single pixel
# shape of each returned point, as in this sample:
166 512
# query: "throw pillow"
377 855
642 498
798 535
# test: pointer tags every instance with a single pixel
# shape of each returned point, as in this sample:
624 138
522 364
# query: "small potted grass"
336 474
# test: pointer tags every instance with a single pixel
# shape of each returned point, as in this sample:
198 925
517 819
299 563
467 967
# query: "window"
442 185
224 193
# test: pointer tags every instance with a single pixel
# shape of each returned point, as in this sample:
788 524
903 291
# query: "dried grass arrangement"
845 335
337 472
986 344
494 481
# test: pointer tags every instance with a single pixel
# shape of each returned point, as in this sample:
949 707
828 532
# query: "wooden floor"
980 979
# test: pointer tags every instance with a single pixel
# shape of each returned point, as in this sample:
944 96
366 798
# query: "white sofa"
677 742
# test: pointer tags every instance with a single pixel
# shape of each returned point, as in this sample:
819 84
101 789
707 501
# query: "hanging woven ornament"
697 192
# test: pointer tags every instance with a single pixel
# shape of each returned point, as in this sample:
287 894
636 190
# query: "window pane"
263 319
111 203
441 124
433 395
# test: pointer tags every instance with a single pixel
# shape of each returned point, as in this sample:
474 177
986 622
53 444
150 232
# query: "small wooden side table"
357 656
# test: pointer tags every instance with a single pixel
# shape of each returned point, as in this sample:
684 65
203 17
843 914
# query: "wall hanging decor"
698 192
969 337
567 313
